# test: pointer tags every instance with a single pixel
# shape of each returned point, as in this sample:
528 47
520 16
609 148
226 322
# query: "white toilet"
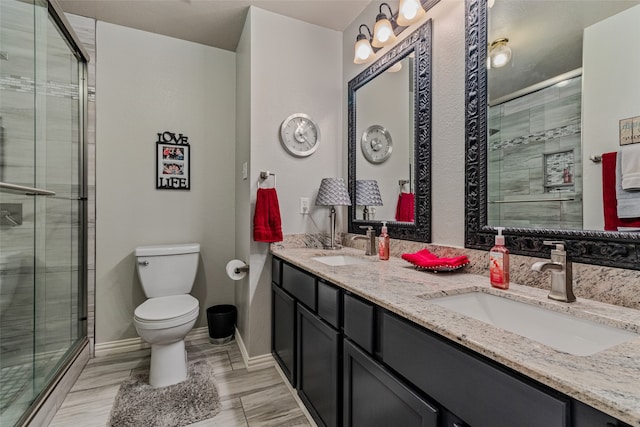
167 273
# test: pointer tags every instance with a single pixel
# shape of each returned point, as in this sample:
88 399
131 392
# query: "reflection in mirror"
534 124
390 140
384 126
535 155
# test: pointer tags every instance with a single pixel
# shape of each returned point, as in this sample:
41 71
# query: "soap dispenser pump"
383 243
499 262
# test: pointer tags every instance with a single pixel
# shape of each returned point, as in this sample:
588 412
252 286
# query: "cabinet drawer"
329 303
477 392
358 321
276 271
299 284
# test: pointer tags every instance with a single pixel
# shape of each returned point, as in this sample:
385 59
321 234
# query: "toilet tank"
166 270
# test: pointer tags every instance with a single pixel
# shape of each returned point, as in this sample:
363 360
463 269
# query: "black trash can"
222 323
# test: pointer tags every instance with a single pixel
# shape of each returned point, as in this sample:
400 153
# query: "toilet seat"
166 312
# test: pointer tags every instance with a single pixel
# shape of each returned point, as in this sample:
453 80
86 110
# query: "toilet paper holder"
243 269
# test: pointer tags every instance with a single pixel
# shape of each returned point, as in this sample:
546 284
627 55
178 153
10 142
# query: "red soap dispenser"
499 263
383 243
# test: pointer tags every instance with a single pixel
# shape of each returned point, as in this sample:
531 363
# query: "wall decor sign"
630 131
172 165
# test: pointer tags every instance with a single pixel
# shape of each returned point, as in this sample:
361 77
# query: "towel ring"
265 175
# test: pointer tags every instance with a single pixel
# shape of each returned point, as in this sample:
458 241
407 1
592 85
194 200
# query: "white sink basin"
336 260
565 333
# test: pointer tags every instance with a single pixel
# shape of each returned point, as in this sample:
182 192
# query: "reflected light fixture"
364 51
395 67
499 53
383 34
409 12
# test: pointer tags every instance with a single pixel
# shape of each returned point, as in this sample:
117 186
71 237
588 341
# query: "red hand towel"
424 258
609 200
266 219
405 207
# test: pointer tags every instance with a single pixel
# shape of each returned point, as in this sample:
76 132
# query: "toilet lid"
165 308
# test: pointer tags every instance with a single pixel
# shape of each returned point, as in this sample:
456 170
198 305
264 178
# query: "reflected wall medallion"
173 169
300 135
376 144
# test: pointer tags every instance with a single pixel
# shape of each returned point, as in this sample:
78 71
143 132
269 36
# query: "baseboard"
134 344
294 393
256 362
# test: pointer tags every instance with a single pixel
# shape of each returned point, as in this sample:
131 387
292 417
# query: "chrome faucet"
371 246
561 273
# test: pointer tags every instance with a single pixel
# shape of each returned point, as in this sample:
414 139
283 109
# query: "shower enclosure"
42 203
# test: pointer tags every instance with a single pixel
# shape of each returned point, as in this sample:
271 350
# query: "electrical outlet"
304 205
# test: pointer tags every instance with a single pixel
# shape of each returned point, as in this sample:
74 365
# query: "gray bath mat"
138 404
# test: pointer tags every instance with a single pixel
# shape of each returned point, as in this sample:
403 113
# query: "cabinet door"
283 324
374 398
319 368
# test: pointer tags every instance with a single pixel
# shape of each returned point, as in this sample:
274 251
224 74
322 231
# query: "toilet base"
168 364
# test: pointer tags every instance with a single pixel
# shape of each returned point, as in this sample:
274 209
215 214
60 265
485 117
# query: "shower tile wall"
522 133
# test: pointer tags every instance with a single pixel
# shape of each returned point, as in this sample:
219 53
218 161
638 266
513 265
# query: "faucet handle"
559 244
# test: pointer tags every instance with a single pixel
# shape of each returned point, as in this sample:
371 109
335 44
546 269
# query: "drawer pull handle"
145 263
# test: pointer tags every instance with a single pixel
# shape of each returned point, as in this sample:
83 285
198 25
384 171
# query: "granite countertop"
608 380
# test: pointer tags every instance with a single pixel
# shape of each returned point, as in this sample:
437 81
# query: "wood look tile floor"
257 398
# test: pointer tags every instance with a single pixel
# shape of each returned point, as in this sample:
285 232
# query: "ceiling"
216 23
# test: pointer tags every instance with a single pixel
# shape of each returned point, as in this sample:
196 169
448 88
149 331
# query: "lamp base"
332 224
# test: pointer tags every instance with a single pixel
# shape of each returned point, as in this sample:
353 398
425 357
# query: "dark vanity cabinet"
307 341
354 363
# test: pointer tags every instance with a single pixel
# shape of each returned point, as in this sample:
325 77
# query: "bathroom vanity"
364 342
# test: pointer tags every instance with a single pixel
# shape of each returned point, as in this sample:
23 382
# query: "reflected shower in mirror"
545 121
538 125
390 139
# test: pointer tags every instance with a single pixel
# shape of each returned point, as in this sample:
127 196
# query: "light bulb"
410 11
383 32
363 51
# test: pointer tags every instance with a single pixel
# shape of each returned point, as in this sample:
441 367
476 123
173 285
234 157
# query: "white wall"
294 67
448 110
147 83
610 75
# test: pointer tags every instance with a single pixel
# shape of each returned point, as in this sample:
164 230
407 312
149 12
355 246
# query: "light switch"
244 170
304 205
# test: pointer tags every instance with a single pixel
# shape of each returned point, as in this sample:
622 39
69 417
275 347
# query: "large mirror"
539 127
389 141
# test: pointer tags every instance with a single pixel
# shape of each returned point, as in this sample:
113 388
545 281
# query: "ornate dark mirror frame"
611 249
419 42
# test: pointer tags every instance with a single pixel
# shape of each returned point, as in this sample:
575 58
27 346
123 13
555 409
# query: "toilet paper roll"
232 267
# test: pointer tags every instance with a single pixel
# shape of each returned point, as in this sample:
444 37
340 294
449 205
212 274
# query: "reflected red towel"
266 219
405 207
609 200
424 258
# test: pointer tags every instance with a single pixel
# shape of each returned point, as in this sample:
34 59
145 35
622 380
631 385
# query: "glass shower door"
42 317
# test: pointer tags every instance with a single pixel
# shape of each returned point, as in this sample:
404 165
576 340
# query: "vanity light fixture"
367 194
364 51
333 192
409 12
499 53
383 34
